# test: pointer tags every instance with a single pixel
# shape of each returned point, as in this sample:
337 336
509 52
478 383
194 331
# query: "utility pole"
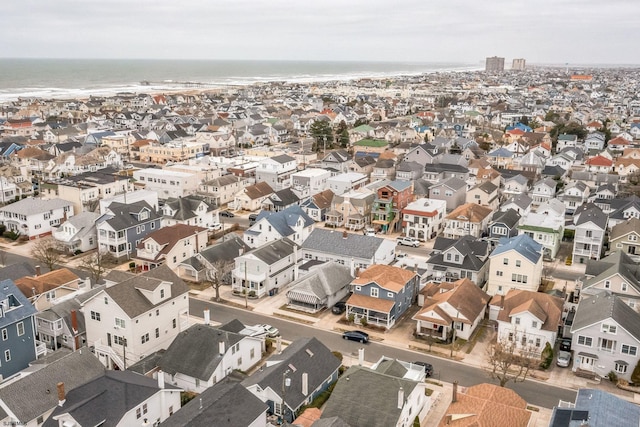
246 291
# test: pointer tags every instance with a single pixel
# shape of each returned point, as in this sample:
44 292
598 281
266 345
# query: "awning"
621 362
593 356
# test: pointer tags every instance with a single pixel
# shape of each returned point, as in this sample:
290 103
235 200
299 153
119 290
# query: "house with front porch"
453 259
170 246
469 219
321 288
34 217
189 210
390 199
351 210
545 228
123 226
45 290
605 336
381 295
265 270
223 190
292 223
141 314
203 264
423 218
450 306
252 197
529 319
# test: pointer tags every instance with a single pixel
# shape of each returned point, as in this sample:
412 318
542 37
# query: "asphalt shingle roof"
333 242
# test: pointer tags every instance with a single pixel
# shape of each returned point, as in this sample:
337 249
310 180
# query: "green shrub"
547 356
11 235
364 322
613 377
351 317
338 355
416 422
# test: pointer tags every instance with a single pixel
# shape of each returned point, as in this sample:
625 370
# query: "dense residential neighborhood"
466 218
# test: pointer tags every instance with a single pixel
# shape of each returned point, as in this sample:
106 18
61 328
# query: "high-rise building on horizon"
494 64
519 64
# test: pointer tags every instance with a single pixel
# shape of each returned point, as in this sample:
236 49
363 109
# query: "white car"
271 331
215 227
564 358
408 241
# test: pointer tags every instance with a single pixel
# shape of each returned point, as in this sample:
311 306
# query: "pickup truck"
408 241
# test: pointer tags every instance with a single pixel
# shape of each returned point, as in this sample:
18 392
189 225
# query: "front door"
586 363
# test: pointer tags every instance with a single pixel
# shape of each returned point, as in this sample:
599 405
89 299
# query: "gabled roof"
226 404
34 394
335 242
196 351
470 212
387 276
322 281
547 308
106 400
258 190
465 296
594 215
19 306
629 226
615 263
523 244
167 237
272 252
305 355
603 306
379 390
509 218
185 207
453 183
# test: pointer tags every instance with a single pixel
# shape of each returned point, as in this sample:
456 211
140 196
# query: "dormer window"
161 293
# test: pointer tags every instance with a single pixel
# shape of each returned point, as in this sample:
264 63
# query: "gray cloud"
558 31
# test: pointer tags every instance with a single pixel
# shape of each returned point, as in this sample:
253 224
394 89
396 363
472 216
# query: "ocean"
79 78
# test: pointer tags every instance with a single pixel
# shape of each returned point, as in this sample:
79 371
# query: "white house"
516 263
588 240
127 321
529 319
167 183
292 223
276 171
346 182
424 218
35 217
78 233
309 182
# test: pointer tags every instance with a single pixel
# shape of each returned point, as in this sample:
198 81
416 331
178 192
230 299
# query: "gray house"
606 337
452 190
503 224
321 288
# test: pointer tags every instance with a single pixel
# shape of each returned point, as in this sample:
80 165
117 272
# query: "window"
624 287
95 316
505 261
157 312
174 323
119 340
138 412
374 292
20 327
631 350
633 238
517 320
589 233
252 353
106 301
611 329
585 341
607 284
390 294
457 258
499 273
518 278
120 323
157 332
518 263
7 355
5 335
144 338
448 257
161 293
621 367
538 342
607 345
144 408
534 324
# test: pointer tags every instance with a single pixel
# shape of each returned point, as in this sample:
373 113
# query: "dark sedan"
339 308
428 367
226 214
359 336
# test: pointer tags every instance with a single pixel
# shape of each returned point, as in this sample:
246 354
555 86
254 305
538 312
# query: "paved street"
534 392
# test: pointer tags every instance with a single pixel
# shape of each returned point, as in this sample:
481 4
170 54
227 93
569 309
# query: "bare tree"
97 264
3 258
47 251
219 274
507 362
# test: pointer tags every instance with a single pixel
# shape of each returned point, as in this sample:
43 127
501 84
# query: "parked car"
565 344
226 214
408 241
369 231
564 358
252 219
359 336
339 308
215 227
428 367
271 331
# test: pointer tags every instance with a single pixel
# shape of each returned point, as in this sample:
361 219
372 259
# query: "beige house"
175 151
251 197
625 237
515 264
170 246
467 220
351 210
485 194
47 289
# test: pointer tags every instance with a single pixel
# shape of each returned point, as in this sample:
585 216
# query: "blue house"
18 344
381 294
294 377
123 226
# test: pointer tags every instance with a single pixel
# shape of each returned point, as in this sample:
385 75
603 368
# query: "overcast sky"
542 31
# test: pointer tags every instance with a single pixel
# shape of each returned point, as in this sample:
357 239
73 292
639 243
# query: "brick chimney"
345 234
61 395
38 272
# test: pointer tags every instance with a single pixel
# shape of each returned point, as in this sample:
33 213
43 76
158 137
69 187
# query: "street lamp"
286 382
